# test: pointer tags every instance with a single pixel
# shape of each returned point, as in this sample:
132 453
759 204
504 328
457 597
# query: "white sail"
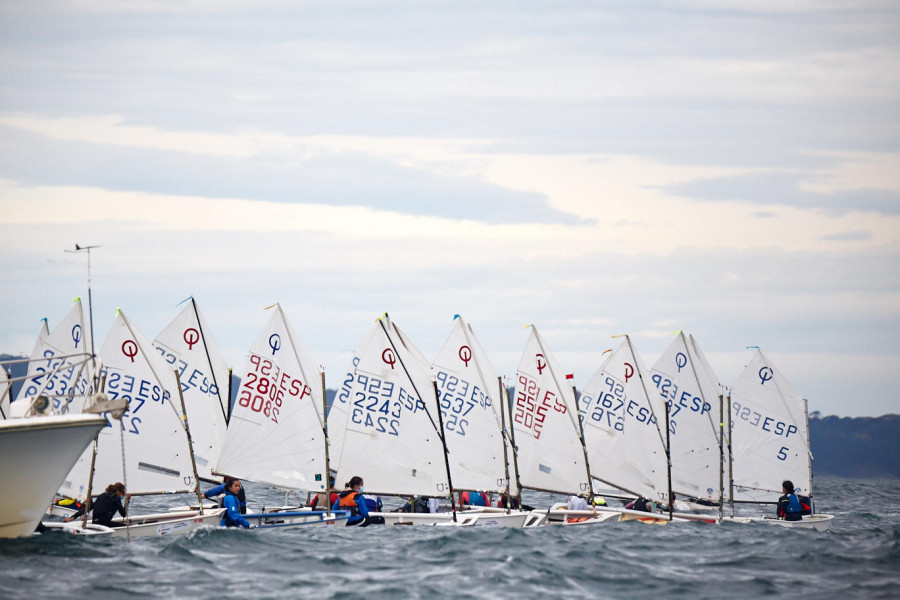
35 374
186 345
769 434
59 364
624 426
544 417
681 376
157 455
470 404
5 388
387 405
276 435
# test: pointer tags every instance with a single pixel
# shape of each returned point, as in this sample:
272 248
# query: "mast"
696 354
465 329
503 438
325 432
580 432
730 459
228 416
808 453
665 442
322 421
721 457
212 369
587 464
90 303
671 500
515 453
439 427
437 402
187 431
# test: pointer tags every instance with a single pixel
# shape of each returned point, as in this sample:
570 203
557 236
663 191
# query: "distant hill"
853 447
858 447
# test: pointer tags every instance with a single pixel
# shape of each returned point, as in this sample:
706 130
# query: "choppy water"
858 558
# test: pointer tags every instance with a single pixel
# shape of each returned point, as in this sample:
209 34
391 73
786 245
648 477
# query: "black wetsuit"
105 508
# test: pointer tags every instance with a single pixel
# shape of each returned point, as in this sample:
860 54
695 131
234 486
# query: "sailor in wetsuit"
352 499
220 489
232 515
107 504
789 507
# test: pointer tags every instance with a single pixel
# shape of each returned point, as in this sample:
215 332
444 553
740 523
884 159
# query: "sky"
728 168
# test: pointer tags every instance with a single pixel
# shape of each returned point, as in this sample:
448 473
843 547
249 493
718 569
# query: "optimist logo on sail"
191 336
465 354
275 343
129 349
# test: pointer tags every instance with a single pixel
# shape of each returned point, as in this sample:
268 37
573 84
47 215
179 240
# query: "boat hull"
150 525
473 518
38 453
818 522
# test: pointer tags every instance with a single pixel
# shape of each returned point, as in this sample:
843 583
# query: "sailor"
789 507
333 497
220 489
352 499
642 504
107 504
474 499
577 503
232 515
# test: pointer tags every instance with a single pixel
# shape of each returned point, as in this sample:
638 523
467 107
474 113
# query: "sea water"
859 557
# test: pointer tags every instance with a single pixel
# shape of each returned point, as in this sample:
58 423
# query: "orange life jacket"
347 501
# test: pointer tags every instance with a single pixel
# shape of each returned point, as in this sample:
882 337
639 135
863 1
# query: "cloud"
780 188
848 236
345 178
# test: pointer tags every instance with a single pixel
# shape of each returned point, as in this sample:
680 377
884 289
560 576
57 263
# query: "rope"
124 476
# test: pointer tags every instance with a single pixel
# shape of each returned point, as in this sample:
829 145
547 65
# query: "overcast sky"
727 168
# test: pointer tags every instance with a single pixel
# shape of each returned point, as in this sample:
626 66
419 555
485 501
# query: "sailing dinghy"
386 427
769 425
684 379
151 441
186 345
277 432
471 399
550 448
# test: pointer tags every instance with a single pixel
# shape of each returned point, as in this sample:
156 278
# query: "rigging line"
579 431
664 441
409 377
287 330
646 393
150 366
696 356
783 401
484 384
212 369
124 477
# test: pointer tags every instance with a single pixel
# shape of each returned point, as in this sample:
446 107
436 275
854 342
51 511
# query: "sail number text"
533 404
458 398
265 387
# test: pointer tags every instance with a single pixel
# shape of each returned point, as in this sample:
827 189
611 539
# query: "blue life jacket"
793 505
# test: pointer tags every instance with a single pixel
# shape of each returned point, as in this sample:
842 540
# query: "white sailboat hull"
37 453
819 522
472 518
150 525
